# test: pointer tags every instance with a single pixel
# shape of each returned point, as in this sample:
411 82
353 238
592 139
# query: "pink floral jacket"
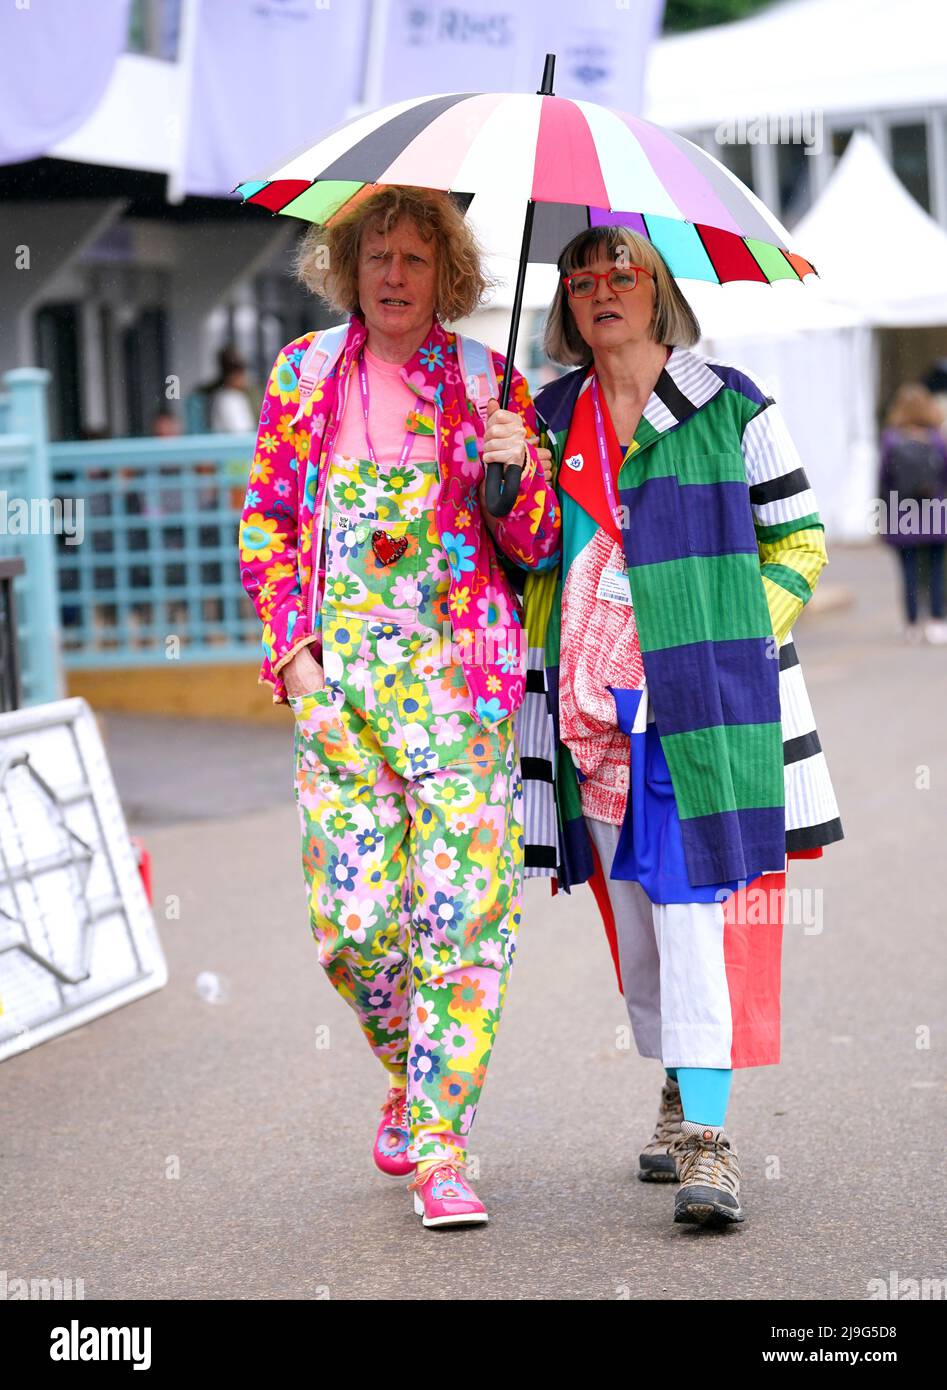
284 511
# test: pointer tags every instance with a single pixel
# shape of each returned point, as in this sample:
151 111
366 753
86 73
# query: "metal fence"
156 574
11 682
131 551
24 482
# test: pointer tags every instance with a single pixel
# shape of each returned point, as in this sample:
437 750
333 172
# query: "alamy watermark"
43 516
906 1290
14 1289
804 128
502 647
84 1343
907 516
759 905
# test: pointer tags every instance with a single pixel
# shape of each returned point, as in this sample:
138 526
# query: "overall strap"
318 360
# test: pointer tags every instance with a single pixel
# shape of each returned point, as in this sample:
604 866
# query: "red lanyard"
408 435
607 479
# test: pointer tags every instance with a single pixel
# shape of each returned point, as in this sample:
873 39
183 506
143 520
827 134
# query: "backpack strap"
318 360
475 361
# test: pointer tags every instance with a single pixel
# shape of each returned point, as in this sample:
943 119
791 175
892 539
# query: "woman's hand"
303 675
545 459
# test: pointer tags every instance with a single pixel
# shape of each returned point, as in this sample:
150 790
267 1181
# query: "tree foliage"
680 15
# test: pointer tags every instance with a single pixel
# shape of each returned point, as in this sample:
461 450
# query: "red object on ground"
144 864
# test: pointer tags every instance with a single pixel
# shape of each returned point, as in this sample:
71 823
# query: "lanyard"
607 479
408 435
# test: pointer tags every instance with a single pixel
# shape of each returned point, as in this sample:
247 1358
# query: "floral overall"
411 813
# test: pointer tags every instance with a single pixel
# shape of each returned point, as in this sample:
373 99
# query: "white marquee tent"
882 262
874 247
813 344
832 56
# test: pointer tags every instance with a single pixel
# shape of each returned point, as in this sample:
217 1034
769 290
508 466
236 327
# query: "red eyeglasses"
583 283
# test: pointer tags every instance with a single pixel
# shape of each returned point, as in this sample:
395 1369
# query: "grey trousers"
673 970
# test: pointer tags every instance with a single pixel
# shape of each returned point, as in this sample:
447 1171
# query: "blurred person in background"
229 410
936 383
165 425
914 472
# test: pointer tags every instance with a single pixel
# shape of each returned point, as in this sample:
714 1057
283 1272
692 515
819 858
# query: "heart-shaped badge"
388 549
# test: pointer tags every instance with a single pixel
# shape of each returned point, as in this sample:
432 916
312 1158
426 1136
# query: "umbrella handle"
502 487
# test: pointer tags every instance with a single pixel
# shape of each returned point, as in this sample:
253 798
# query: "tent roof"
875 247
804 55
881 260
743 308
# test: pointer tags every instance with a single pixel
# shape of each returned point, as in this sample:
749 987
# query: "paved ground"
841 1145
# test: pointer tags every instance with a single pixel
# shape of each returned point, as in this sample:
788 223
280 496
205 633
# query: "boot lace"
669 1115
710 1163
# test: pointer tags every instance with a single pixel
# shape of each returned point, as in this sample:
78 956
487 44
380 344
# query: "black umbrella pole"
503 485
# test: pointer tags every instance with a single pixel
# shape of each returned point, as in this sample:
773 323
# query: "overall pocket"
324 737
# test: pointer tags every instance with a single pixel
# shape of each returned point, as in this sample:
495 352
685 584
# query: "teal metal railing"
142 565
156 576
25 530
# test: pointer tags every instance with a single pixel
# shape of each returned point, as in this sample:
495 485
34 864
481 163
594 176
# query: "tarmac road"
841 1145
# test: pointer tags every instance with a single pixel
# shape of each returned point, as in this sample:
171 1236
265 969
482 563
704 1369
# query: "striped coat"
724 546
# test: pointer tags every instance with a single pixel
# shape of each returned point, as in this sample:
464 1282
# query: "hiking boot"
656 1162
709 1194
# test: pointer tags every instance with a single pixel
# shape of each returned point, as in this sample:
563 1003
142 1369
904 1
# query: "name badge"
613 586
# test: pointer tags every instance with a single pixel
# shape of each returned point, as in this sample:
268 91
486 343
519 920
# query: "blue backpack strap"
475 361
318 360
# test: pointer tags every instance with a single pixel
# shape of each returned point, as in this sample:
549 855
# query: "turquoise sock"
672 1072
705 1092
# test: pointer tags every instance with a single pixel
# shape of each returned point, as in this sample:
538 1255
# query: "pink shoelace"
447 1172
397 1102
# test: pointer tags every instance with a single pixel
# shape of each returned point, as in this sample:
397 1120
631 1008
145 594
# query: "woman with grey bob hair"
673 319
670 755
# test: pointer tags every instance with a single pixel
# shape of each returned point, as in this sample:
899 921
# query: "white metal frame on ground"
77 934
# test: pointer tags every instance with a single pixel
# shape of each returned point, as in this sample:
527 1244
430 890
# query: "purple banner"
56 58
267 78
601 48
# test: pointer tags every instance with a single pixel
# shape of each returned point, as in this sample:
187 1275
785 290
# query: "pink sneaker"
394 1134
443 1198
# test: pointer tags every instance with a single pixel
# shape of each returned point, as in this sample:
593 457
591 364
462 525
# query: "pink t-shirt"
389 401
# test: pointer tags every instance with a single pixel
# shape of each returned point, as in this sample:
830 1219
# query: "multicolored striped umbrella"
581 164
567 164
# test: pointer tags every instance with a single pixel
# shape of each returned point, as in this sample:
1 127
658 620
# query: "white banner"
56 58
264 78
435 46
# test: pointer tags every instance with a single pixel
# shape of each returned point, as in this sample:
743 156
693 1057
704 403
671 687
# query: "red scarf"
585 484
582 479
